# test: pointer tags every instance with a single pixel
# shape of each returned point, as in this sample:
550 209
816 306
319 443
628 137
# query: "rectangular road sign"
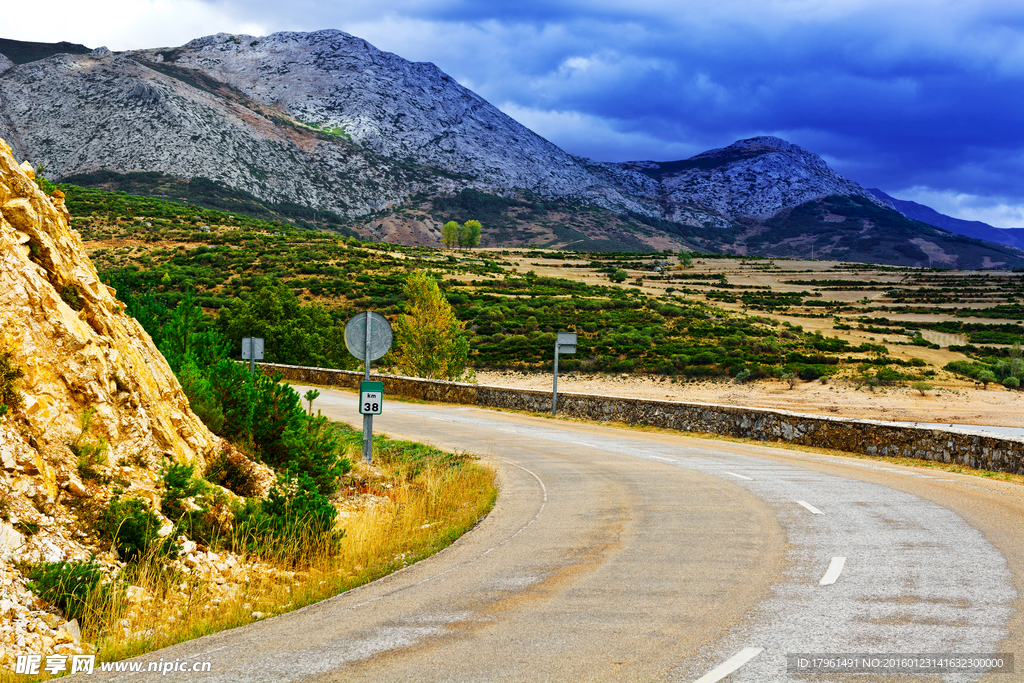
252 348
566 342
371 398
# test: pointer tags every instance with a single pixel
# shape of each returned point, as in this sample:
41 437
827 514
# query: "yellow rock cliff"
78 350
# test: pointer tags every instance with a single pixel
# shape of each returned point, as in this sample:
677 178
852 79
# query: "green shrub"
294 518
10 373
68 585
1011 383
91 455
234 472
71 297
207 519
131 527
921 387
201 398
286 437
810 373
179 484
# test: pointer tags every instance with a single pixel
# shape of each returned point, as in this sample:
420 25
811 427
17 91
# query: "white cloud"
995 211
123 24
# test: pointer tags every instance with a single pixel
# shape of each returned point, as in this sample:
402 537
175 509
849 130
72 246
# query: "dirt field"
995 406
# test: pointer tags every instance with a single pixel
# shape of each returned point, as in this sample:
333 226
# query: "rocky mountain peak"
397 108
756 178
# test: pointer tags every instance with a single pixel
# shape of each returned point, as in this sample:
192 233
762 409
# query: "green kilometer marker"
371 398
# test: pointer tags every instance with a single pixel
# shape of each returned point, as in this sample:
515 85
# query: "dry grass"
415 501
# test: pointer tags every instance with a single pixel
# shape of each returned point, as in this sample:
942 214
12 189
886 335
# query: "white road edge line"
543 504
835 568
739 476
730 665
810 507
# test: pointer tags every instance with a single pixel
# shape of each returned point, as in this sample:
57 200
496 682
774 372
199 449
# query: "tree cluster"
465 235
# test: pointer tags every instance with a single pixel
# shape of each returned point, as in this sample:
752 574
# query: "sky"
922 99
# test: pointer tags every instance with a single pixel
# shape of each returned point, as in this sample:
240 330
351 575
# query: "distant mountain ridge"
977 229
325 122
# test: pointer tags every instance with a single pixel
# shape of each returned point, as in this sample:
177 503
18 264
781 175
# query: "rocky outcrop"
80 355
754 179
77 347
82 113
397 108
320 119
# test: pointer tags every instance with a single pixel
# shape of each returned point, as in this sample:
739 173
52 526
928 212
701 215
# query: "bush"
922 387
201 397
706 358
10 373
180 484
810 373
234 472
68 585
289 523
130 526
287 438
1011 383
199 510
89 454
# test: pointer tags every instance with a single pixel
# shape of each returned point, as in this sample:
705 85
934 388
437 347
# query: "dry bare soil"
961 404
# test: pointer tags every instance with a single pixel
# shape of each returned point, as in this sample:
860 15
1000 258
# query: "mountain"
750 179
324 130
983 231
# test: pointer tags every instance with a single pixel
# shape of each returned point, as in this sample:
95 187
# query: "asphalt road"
623 555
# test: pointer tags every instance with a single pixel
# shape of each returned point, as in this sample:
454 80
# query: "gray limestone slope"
752 179
80 113
397 108
325 120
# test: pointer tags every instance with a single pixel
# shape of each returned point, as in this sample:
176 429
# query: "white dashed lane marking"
730 665
835 568
814 510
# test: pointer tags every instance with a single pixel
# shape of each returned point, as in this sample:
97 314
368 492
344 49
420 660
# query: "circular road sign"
380 335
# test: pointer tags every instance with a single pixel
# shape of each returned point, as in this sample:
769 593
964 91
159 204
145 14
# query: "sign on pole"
371 398
252 351
565 342
378 332
368 337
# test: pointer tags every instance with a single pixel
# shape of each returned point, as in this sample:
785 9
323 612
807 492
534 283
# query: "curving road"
623 555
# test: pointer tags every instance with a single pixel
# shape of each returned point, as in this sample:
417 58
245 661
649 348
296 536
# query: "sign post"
565 342
252 351
368 337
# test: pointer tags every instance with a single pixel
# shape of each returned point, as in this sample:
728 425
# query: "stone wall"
870 437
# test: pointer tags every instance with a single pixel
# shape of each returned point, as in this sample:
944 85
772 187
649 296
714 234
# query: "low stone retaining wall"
869 437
